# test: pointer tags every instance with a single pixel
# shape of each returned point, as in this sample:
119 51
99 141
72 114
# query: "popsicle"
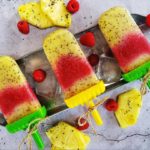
16 97
18 103
75 75
129 45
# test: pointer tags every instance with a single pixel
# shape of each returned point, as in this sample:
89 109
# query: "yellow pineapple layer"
130 104
23 110
32 13
137 62
81 85
116 23
61 42
10 73
64 136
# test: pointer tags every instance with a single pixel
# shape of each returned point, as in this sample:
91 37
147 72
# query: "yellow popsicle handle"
95 114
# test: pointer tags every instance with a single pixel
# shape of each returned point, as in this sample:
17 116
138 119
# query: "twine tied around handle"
143 88
32 127
86 115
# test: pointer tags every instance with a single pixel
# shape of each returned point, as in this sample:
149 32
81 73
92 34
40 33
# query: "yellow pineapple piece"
57 12
64 136
32 13
55 148
128 111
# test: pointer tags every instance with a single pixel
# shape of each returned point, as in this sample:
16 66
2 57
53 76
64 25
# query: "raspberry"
73 6
85 124
23 27
148 20
87 39
39 75
111 105
93 59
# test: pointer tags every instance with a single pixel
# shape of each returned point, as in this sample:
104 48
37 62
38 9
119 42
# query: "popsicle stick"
148 84
95 114
38 140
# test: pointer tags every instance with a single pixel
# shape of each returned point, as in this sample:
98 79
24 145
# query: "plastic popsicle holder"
23 123
85 98
138 73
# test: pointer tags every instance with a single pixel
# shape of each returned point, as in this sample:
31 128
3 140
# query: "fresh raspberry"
93 59
148 20
39 75
111 105
82 121
23 27
87 39
73 6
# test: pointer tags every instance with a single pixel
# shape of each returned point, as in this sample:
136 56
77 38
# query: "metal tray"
49 92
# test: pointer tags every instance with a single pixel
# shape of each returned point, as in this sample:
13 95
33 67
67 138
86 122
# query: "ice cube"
108 70
36 61
48 87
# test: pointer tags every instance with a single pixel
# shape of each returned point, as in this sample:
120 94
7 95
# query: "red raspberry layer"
70 69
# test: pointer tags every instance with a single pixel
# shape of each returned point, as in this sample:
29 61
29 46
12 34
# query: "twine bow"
86 115
143 88
32 127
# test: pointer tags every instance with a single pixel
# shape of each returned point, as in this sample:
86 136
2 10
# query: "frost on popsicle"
32 13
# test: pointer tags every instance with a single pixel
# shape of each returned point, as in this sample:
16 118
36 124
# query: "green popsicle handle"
23 124
38 140
148 84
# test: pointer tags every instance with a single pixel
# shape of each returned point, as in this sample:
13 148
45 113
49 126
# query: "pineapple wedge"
55 148
32 13
64 136
128 111
57 12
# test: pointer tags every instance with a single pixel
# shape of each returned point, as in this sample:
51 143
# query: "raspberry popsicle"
16 97
128 44
75 75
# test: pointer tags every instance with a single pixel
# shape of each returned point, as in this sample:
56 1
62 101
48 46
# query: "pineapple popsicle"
70 66
128 43
73 72
16 97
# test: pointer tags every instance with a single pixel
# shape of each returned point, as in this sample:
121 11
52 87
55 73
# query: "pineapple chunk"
57 12
55 148
32 13
66 137
128 111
